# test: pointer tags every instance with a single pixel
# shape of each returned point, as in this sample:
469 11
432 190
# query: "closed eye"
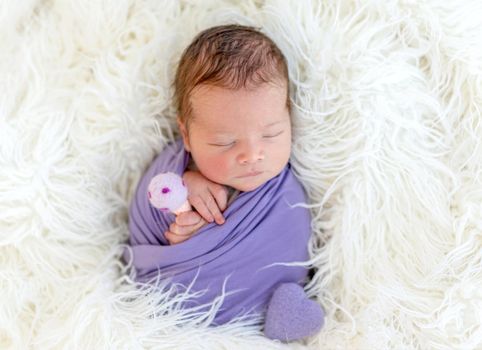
274 135
222 144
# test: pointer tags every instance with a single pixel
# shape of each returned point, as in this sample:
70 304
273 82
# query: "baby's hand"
209 198
186 224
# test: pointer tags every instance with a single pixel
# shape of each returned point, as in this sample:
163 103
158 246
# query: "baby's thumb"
188 218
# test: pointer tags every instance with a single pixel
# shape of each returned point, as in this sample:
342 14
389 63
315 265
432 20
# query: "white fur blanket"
387 141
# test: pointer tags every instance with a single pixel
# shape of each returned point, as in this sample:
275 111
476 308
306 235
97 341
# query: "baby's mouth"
251 174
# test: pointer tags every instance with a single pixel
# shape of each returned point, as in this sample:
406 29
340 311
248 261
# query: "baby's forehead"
213 95
221 109
222 127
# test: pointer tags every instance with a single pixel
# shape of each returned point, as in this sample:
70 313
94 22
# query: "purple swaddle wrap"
260 229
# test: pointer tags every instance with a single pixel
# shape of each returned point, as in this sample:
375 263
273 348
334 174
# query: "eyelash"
271 136
229 144
232 143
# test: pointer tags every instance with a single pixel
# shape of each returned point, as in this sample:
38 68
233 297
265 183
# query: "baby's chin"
248 186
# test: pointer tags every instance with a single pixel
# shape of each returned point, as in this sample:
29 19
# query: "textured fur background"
387 141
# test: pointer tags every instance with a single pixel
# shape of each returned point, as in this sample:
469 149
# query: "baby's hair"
229 56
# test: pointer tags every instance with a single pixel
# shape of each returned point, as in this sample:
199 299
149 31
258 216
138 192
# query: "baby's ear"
184 134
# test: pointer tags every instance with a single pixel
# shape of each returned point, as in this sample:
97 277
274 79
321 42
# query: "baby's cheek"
222 164
219 169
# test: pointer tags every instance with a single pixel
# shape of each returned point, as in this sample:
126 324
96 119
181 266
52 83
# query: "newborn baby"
232 96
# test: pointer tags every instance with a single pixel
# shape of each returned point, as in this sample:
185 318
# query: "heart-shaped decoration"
291 315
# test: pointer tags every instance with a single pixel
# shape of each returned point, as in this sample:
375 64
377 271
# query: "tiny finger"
220 194
201 208
188 218
178 230
213 207
174 238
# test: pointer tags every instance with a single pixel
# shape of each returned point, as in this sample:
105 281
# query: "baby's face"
239 138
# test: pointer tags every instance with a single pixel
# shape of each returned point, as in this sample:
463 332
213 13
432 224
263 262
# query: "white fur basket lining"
387 137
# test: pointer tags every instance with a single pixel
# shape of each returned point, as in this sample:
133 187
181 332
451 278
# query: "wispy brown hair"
228 56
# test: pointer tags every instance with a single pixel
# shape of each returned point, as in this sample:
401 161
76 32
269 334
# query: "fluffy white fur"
387 141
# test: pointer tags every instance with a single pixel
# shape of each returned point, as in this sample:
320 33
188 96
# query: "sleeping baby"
232 96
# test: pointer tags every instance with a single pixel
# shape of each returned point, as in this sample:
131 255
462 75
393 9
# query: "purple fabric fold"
261 228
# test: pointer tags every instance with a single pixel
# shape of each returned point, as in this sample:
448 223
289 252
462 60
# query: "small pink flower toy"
167 191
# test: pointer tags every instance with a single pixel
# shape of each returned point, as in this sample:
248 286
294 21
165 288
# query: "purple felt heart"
291 315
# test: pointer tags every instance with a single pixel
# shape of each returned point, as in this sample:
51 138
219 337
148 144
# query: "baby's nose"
251 155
